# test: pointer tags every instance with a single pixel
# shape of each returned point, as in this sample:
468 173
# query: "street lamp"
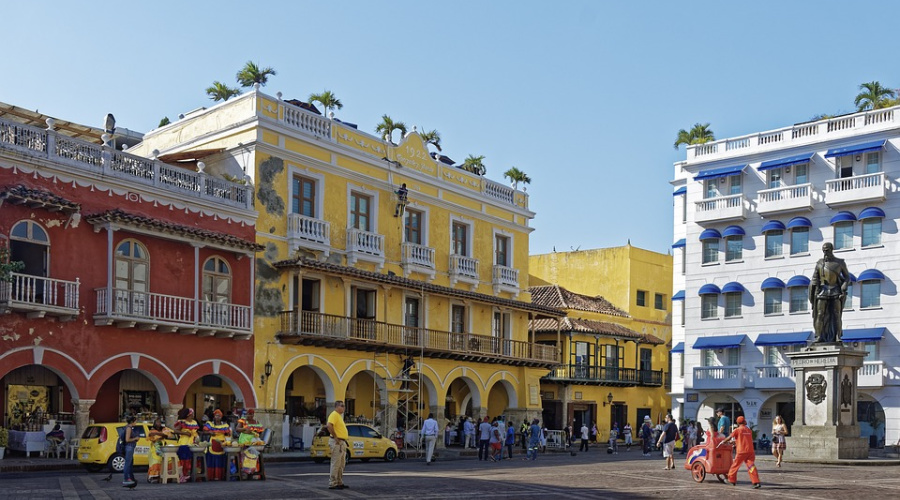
267 372
609 398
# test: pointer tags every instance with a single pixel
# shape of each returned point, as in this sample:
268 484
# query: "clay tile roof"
139 221
392 279
595 327
559 297
21 195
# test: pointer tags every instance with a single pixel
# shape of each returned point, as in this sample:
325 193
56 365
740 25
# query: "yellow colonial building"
400 307
615 361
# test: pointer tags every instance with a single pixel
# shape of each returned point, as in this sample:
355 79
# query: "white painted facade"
756 378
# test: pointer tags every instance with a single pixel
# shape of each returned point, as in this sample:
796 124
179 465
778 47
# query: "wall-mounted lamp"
267 371
858 157
609 398
720 351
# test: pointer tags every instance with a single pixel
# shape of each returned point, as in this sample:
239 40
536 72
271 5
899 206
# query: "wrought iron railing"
606 374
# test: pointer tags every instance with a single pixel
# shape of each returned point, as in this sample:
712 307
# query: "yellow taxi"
365 443
97 448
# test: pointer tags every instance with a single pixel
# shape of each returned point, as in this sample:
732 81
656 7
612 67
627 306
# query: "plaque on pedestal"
825 427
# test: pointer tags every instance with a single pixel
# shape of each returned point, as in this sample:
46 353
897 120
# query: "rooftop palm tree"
432 137
699 134
873 96
218 91
388 126
474 164
327 99
251 73
516 176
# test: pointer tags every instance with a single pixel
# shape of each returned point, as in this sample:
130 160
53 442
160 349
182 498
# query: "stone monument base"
826 442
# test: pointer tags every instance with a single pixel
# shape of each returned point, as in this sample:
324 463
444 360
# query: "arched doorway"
871 417
498 399
708 408
32 395
129 392
305 396
364 399
212 392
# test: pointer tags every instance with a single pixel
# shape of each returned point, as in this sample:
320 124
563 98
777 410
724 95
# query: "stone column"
442 423
82 414
170 414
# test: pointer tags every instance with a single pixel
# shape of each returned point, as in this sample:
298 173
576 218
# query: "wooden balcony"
339 332
605 375
38 297
169 313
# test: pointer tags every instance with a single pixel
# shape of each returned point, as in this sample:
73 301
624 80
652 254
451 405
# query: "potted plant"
4 441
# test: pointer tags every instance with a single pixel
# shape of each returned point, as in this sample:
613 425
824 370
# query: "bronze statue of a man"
827 293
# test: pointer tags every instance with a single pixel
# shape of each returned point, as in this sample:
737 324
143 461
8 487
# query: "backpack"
120 443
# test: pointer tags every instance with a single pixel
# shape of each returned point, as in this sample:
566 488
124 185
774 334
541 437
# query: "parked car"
97 448
365 443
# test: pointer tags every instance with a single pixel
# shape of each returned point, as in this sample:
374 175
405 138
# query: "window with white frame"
709 306
873 162
870 294
799 299
711 188
799 240
460 238
774 243
772 298
502 248
734 248
710 251
733 304
708 357
801 173
458 318
682 311
733 355
871 232
843 235
734 184
844 166
683 259
775 178
360 211
871 349
683 208
216 280
303 196
773 357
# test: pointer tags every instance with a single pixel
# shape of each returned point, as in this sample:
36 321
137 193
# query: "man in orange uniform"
742 437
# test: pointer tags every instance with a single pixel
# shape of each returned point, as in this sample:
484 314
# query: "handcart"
706 458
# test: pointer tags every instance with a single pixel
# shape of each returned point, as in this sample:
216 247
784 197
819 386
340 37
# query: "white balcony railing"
311 229
464 266
418 255
855 189
307 121
871 374
506 276
365 242
102 161
774 377
39 296
156 311
785 199
718 377
797 135
721 208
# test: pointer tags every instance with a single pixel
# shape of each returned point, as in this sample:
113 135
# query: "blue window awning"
853 278
773 225
710 234
720 342
843 216
799 222
798 281
863 335
733 231
709 289
679 295
681 190
771 283
785 162
720 172
733 287
679 244
871 213
856 148
796 338
679 348
871 274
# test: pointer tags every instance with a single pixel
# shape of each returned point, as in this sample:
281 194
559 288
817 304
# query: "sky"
586 97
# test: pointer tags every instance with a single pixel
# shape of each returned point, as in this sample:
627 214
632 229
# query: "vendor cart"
706 458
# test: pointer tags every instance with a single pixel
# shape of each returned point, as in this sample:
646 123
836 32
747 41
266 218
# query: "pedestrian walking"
626 432
724 423
544 432
429 435
646 435
779 432
570 434
667 441
510 440
594 433
524 431
129 442
447 431
338 444
534 440
484 439
742 437
585 437
614 439
496 441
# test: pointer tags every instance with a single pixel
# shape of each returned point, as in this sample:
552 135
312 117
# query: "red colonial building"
136 289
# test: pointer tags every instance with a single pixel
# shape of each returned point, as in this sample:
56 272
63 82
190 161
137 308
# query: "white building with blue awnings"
750 216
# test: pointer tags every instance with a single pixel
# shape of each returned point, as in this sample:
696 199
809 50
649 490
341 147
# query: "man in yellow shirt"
338 442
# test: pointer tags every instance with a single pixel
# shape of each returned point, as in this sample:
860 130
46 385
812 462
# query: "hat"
646 417
740 420
720 410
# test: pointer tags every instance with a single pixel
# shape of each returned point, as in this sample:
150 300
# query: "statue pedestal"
826 393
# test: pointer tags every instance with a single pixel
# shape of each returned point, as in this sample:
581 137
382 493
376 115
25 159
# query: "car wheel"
116 463
93 467
390 455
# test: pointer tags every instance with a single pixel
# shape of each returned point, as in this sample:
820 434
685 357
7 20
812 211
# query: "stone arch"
474 387
158 373
240 383
318 364
503 378
66 368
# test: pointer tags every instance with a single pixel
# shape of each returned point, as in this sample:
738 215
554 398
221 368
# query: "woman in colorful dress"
186 428
219 432
249 429
779 431
158 432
